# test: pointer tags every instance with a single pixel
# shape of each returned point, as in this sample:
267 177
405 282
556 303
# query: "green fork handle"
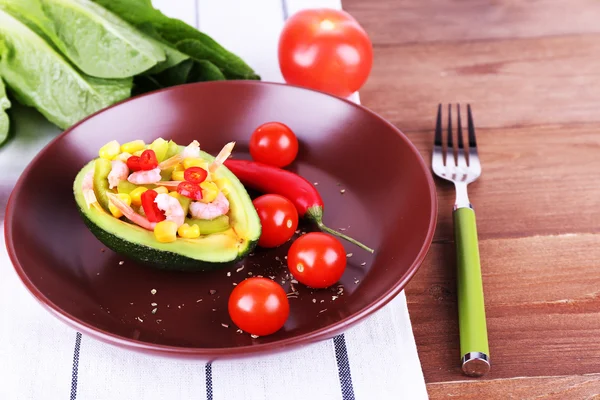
471 308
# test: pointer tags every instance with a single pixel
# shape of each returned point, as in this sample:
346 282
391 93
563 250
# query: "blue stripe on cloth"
75 370
209 383
343 364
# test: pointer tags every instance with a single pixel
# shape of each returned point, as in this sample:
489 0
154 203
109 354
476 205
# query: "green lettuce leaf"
174 31
40 77
4 105
98 42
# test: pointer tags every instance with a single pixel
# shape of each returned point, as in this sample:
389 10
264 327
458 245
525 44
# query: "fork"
461 166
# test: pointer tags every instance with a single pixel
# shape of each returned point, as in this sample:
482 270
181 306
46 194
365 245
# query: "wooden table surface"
531 71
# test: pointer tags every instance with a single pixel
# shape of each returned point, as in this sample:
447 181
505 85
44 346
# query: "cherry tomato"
278 217
189 189
259 306
148 160
195 174
274 143
325 49
317 260
153 213
133 163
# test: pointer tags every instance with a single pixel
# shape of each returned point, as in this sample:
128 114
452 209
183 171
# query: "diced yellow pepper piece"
161 189
110 150
189 232
194 162
174 194
178 176
138 153
132 147
209 191
178 167
114 210
136 195
123 157
166 231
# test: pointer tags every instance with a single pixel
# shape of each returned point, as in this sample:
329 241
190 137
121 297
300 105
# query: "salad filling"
161 187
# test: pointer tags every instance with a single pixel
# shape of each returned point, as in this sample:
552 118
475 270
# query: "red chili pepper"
299 191
189 189
148 160
153 213
195 175
133 163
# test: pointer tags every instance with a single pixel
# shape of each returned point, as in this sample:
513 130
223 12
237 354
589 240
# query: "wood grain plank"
542 301
535 181
509 82
544 387
404 21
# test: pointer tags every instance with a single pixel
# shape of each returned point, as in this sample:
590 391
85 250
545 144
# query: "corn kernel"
161 189
178 167
136 196
209 191
123 157
178 176
132 147
110 150
194 162
174 194
166 231
189 232
114 210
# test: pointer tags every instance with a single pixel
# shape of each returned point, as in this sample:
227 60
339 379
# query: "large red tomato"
325 49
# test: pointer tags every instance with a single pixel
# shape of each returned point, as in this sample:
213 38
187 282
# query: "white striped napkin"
41 358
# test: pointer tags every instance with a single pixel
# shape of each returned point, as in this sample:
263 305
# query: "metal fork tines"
459 165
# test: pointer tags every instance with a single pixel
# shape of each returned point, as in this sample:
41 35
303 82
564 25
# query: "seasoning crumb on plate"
229 273
158 321
249 273
356 281
234 284
322 311
322 301
362 264
153 304
239 331
254 336
212 291
333 298
239 269
225 325
153 291
121 262
154 310
349 255
343 191
314 300
316 183
139 319
198 301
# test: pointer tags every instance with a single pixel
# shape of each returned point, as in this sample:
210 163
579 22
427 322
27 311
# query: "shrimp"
87 187
119 172
221 157
145 177
171 207
192 150
129 213
220 206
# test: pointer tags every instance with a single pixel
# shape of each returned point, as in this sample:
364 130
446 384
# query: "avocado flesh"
204 253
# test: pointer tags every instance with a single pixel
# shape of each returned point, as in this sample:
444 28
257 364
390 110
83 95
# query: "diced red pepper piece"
189 189
153 213
148 160
133 163
195 175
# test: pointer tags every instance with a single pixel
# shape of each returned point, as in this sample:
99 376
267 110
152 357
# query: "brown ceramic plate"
389 203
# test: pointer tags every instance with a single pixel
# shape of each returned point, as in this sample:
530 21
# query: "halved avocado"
208 252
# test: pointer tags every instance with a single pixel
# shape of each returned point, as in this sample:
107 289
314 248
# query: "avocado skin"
159 259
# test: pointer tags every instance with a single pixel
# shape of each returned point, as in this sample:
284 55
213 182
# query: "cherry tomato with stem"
195 175
325 49
190 190
317 260
259 306
274 143
278 217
